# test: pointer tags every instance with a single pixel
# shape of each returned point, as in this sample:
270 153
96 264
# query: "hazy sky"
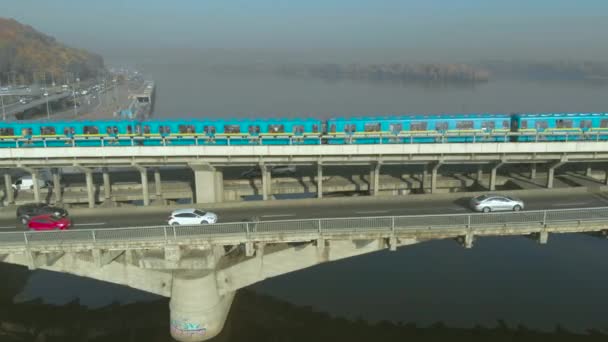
510 28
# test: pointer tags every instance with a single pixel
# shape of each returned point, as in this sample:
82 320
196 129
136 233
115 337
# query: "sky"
462 28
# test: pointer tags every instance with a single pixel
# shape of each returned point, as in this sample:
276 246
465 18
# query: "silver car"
492 202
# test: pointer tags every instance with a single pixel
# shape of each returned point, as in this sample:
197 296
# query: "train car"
267 131
178 131
561 126
416 128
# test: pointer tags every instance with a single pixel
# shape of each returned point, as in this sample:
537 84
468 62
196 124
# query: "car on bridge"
191 217
492 202
28 211
279 170
49 222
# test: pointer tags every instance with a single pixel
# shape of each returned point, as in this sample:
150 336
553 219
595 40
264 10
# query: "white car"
26 182
191 217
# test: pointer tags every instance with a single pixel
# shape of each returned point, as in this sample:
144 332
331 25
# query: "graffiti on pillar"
187 328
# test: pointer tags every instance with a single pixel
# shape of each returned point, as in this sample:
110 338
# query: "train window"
315 128
115 130
187 129
585 124
90 130
147 129
488 124
209 129
26 131
441 126
418 126
523 124
254 129
506 124
7 131
68 131
137 129
232 129
541 124
332 128
298 129
164 129
464 124
604 123
109 130
350 128
395 128
47 130
273 128
560 123
372 127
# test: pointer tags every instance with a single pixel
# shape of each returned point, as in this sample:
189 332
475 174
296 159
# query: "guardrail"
360 225
103 140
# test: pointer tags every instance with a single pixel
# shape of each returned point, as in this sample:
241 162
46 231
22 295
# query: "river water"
513 279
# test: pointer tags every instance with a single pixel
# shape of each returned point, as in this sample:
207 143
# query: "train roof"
560 115
414 116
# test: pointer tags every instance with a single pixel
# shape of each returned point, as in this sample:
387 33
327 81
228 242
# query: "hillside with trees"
26 54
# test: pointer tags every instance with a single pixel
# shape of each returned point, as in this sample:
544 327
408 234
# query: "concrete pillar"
493 176
8 187
266 182
157 184
219 186
588 170
434 170
374 179
543 237
197 310
533 171
319 180
606 178
551 173
479 174
208 185
57 185
107 186
424 178
143 173
36 186
90 188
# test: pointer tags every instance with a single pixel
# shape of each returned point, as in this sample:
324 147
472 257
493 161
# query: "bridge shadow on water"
253 317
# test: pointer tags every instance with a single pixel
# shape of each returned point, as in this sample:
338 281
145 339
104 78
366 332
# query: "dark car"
27 211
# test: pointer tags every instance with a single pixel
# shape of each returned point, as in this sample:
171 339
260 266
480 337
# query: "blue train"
412 128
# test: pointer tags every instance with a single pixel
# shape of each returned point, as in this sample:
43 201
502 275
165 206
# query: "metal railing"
291 139
243 231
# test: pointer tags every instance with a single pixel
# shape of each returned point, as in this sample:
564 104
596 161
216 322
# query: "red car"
48 222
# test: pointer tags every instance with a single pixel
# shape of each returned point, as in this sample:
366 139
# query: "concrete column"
36 186
8 187
319 180
551 173
479 174
143 173
434 170
374 179
57 185
90 188
266 182
208 185
157 184
533 171
588 170
197 310
107 186
424 178
606 179
493 176
219 186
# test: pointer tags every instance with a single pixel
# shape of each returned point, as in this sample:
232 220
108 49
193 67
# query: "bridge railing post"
165 232
247 230
93 236
25 238
544 218
319 226
393 224
174 233
468 221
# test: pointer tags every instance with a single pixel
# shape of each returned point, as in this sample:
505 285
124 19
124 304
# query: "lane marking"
371 212
8 227
279 215
568 204
90 224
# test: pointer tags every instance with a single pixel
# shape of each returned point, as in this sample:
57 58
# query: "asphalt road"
277 211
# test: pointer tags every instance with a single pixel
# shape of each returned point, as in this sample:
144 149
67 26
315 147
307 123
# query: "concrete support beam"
208 183
434 169
88 173
606 178
107 186
319 180
158 184
543 237
469 238
36 186
493 175
479 177
588 170
551 172
533 171
266 182
143 174
424 178
104 257
374 179
8 188
57 185
36 259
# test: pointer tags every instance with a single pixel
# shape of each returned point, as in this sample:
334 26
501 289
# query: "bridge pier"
36 186
434 170
479 177
374 179
57 185
9 196
107 187
266 182
551 172
197 310
493 175
208 183
319 180
158 184
533 171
